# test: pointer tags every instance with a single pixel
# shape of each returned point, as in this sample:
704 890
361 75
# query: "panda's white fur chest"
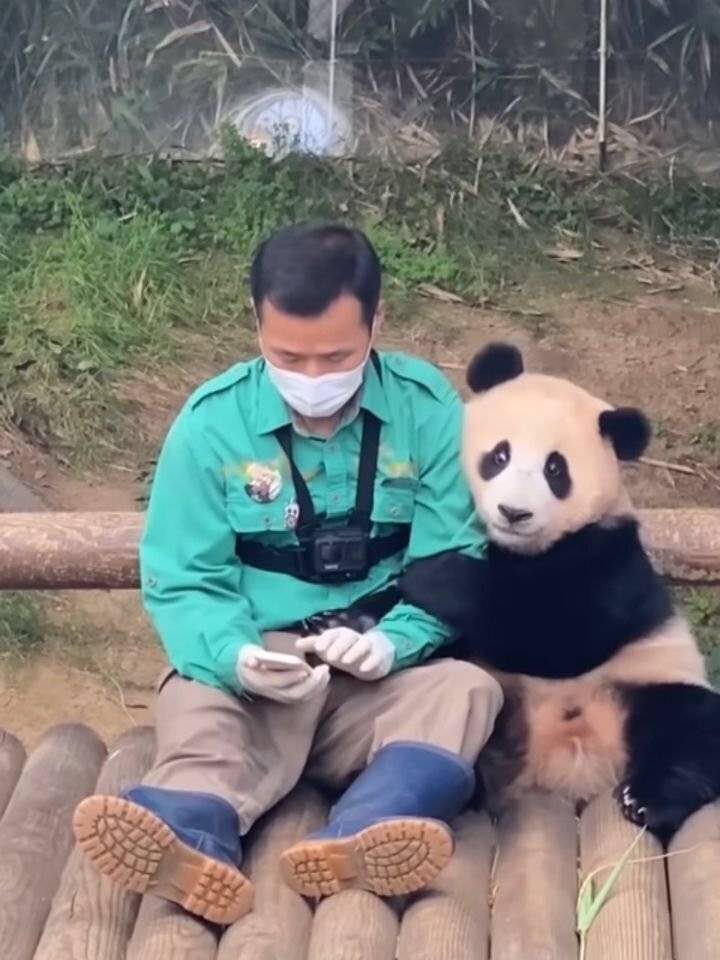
574 730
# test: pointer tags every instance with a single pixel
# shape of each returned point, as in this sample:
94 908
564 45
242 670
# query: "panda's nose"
513 515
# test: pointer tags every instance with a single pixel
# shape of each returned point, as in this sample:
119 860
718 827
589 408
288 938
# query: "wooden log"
165 932
36 835
535 881
280 923
66 551
684 544
634 923
451 921
53 551
694 876
12 758
90 915
353 925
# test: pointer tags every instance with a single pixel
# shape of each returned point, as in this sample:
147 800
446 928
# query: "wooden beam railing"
68 551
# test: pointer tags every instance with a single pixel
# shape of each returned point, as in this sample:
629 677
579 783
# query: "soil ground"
659 350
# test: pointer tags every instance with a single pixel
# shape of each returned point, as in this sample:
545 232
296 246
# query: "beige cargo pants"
253 752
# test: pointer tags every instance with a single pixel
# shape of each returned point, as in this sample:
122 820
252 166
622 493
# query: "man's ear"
378 320
258 331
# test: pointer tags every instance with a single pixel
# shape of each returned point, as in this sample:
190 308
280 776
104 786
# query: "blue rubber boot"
388 833
177 845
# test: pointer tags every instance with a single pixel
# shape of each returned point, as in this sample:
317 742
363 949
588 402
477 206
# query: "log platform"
509 893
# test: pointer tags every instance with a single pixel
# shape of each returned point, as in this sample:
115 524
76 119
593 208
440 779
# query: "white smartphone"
279 661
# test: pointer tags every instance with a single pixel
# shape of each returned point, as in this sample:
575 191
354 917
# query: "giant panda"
604 685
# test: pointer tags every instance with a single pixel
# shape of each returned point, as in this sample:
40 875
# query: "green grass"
702 607
22 632
41 624
707 438
106 266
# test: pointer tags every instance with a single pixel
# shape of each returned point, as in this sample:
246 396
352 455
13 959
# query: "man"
290 492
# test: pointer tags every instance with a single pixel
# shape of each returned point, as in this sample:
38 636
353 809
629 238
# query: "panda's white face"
537 463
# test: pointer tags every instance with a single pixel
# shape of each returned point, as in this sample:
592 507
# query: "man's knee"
462 679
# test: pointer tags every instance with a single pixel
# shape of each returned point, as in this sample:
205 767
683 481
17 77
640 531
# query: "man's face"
335 340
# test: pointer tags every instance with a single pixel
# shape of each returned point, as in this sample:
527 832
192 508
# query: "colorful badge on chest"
263 483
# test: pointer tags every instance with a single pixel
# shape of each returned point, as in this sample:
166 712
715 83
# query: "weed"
21 627
702 607
707 438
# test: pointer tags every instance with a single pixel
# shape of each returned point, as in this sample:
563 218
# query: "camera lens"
330 553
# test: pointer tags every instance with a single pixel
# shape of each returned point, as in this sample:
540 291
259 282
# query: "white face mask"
317 396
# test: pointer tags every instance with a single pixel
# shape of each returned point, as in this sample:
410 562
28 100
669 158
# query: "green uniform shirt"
222 473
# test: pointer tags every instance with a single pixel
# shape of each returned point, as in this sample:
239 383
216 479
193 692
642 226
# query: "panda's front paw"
661 800
631 808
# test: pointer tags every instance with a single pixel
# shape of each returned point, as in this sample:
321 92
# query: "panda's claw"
630 807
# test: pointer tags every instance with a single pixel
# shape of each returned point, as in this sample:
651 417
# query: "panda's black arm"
673 742
450 586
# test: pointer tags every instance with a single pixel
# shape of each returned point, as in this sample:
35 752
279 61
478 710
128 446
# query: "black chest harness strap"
330 551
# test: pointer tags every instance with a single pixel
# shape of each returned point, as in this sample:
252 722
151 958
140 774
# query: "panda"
604 685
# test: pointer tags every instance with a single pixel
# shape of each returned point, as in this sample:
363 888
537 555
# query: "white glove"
368 656
279 676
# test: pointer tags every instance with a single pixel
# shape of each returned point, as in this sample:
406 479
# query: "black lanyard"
369 449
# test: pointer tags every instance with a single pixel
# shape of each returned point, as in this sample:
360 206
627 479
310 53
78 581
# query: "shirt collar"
273 413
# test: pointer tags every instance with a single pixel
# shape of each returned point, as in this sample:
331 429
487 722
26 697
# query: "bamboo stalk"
602 90
473 61
333 58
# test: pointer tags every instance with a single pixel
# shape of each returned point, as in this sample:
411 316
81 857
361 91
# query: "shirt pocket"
247 516
394 504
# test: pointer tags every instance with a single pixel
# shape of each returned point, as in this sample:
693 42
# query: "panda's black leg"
673 742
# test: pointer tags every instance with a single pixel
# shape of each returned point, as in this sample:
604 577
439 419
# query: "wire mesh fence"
387 77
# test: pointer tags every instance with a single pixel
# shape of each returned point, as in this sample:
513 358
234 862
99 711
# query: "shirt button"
332 448
152 581
394 512
335 498
267 521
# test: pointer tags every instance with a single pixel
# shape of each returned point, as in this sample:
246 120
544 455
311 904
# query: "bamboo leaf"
517 216
227 48
685 50
589 906
561 86
191 30
669 34
660 5
706 56
661 64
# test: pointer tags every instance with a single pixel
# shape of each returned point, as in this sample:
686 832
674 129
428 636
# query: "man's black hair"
302 269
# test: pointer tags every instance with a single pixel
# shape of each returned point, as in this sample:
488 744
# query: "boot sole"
389 859
139 852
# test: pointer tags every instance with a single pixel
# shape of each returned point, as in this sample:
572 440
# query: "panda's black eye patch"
557 475
494 462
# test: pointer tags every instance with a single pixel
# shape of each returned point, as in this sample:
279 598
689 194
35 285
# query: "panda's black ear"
494 364
628 430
